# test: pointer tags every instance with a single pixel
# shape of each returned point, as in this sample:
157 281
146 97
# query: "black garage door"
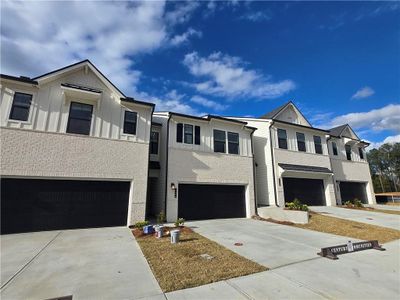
200 202
35 205
351 190
308 191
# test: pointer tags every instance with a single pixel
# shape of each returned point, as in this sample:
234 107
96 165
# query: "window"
318 144
197 135
334 148
282 139
301 141
188 137
361 152
348 152
20 107
233 143
154 142
130 122
219 141
179 132
80 118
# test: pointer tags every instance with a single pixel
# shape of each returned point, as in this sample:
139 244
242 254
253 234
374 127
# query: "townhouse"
352 177
206 168
294 160
74 151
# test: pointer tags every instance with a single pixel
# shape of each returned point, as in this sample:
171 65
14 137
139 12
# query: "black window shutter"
197 135
179 132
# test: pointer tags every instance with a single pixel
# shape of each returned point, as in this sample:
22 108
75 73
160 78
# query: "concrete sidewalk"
101 263
373 218
297 272
382 206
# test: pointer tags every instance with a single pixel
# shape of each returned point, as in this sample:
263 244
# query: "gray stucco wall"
27 153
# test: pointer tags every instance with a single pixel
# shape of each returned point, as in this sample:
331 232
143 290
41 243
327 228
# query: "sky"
339 62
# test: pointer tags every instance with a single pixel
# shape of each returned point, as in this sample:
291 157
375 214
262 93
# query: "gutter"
273 163
254 173
166 166
333 174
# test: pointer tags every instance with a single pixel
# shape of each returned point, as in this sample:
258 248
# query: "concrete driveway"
296 271
101 263
373 218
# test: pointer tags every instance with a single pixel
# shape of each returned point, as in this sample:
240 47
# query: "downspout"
273 163
148 162
254 172
166 166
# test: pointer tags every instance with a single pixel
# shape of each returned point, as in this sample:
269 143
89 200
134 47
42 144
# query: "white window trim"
69 101
122 122
31 108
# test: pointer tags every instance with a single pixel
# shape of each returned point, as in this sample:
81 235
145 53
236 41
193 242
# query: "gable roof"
274 113
338 131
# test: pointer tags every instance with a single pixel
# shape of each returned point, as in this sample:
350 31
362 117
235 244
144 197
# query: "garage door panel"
351 190
36 205
199 202
308 191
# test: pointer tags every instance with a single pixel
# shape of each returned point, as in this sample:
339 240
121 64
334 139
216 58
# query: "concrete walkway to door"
100 263
373 218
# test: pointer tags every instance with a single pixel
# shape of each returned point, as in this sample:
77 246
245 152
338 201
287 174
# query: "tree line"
384 163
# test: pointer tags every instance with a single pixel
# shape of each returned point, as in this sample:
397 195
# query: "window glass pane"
334 148
188 130
179 132
233 143
130 122
348 152
197 135
282 141
79 119
219 141
318 145
154 142
20 107
301 144
360 150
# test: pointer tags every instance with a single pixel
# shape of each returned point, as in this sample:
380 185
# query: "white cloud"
174 95
227 76
184 37
363 93
208 103
257 16
385 118
109 33
390 139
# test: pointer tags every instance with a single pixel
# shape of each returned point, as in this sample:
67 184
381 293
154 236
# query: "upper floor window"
154 142
334 148
184 133
233 143
188 134
318 144
348 152
20 106
361 152
282 139
219 141
301 141
130 120
80 118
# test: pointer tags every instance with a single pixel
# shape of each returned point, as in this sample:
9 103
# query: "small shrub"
355 203
296 205
141 224
179 222
161 217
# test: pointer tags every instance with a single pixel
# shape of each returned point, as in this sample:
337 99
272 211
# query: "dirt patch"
193 262
358 230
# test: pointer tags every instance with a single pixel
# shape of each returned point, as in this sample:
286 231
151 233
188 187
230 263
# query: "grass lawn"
180 266
386 211
362 231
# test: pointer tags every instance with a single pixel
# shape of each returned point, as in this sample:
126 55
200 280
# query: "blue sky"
339 62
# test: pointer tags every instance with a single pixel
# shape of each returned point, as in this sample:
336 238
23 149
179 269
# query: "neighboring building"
74 151
206 168
291 159
350 166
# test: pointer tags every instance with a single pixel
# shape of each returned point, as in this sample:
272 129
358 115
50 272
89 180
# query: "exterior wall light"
173 187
